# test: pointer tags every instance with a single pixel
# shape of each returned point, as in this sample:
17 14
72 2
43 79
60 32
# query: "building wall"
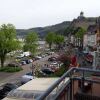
90 40
85 40
72 39
98 36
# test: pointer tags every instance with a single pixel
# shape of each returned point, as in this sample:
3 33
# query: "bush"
65 59
60 72
10 69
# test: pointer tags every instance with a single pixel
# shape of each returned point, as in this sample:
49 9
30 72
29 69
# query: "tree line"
9 41
53 38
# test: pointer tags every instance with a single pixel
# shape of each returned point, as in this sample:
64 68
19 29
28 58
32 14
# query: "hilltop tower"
81 14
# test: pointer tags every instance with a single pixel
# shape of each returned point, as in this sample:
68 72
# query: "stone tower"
81 14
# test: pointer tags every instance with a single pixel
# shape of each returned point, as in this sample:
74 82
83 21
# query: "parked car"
23 62
27 77
54 67
30 60
20 56
42 74
13 64
34 58
54 63
47 53
26 61
9 86
47 71
43 55
52 59
38 57
6 88
51 53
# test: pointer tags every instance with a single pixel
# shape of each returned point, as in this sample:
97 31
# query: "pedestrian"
47 66
33 69
74 61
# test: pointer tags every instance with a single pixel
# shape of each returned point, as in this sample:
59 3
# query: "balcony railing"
64 88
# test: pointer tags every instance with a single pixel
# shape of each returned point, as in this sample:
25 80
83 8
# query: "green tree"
31 42
59 39
8 41
69 30
80 33
50 38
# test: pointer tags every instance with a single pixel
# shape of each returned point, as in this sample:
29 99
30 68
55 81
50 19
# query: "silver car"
27 77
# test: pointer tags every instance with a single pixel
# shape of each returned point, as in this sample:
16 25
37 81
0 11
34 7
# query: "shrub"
10 69
60 72
65 59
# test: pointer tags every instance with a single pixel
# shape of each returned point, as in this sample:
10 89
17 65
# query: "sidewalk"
13 77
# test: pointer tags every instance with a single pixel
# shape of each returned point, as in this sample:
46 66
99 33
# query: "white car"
30 60
39 57
23 63
27 77
43 55
20 56
54 63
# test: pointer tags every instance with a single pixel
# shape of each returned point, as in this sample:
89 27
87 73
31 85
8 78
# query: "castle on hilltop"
84 22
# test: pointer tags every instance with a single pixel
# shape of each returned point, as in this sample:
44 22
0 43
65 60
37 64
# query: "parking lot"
45 65
15 77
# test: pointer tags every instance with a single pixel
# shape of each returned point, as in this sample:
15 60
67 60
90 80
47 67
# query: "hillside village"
90 42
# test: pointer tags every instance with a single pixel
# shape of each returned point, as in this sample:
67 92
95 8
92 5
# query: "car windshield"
30 74
46 69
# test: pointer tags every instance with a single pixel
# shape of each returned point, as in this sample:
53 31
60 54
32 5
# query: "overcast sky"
37 13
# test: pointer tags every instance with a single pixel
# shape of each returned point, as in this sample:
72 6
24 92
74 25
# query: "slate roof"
92 28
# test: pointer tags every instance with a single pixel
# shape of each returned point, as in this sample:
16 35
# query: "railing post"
70 83
71 89
82 82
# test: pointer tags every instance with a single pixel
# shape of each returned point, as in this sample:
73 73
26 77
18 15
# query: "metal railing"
62 85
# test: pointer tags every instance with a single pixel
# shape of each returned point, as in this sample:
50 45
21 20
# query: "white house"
90 38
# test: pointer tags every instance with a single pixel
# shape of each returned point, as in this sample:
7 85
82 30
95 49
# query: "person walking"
32 69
